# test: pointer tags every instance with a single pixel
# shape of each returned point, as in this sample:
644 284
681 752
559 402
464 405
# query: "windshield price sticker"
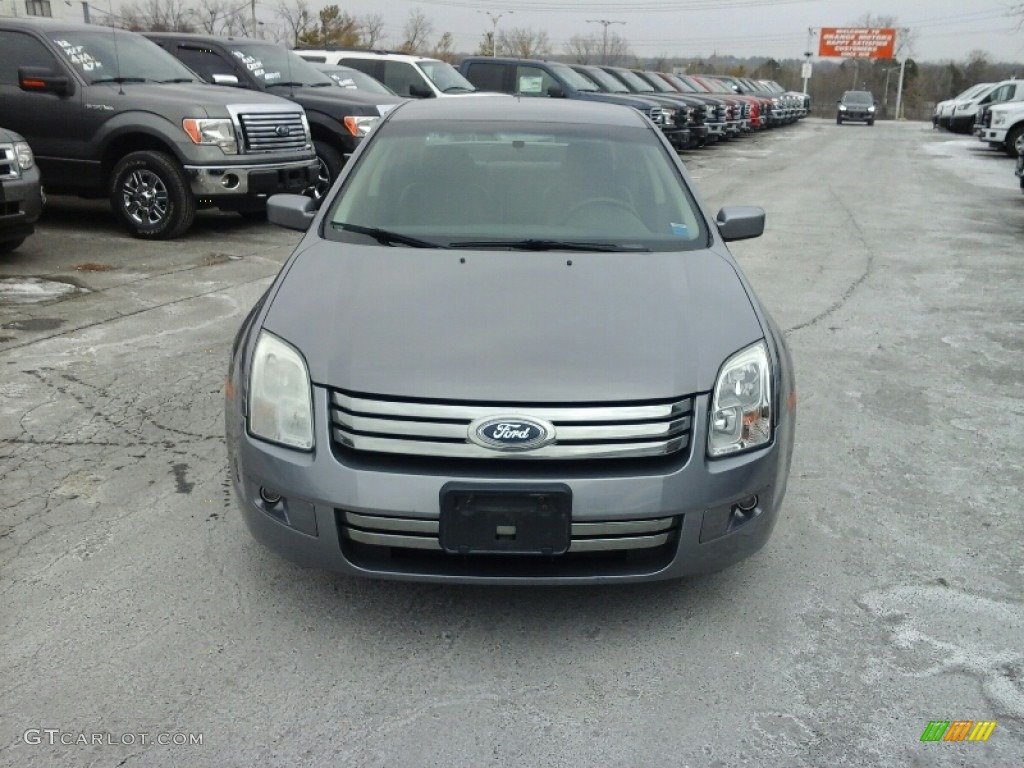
251 63
78 56
531 84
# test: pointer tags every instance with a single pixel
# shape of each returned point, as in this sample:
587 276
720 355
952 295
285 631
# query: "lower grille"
411 533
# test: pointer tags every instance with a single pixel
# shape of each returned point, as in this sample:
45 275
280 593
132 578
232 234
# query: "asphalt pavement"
135 609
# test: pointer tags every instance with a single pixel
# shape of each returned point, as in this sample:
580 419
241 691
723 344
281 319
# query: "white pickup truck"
1004 125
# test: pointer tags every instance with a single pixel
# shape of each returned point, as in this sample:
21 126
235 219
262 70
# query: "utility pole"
899 88
495 18
604 40
252 13
807 57
85 11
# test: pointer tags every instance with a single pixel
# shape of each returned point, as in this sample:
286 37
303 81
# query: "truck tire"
6 246
839 121
151 196
1011 139
330 161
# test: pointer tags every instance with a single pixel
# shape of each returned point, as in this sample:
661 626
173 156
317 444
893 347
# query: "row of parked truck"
165 124
994 112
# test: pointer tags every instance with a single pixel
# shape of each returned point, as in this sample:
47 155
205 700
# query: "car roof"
33 22
362 53
503 108
201 36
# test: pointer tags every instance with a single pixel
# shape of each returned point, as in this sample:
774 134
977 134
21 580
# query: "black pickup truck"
21 195
338 117
112 114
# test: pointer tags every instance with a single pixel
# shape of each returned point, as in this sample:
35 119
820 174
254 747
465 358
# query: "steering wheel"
607 202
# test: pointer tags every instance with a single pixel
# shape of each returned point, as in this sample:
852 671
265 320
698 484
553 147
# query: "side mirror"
739 222
291 211
556 92
43 80
219 79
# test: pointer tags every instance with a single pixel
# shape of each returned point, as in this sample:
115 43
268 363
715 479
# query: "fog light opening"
269 497
748 504
230 181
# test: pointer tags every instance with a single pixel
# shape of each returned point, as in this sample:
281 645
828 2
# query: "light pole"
604 40
495 18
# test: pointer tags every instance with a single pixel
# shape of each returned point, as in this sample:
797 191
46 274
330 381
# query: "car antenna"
117 60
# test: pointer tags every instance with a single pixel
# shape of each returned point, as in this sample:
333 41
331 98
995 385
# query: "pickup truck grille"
273 132
9 168
363 423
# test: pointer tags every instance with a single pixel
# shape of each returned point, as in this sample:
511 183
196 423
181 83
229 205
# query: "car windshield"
516 185
129 58
573 78
604 80
658 83
274 64
353 79
858 97
633 81
446 77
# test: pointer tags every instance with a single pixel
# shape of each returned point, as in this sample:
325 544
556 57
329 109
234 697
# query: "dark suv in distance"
856 107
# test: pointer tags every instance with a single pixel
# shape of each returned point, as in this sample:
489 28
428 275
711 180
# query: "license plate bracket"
533 520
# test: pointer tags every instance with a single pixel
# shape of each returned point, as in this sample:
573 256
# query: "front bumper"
321 490
21 204
234 181
991 135
678 137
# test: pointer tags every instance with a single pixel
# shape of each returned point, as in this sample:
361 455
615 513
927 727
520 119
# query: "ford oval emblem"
283 130
511 433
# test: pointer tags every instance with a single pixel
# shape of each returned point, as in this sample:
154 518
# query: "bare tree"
295 17
444 48
158 16
524 42
486 46
371 28
335 27
583 49
416 32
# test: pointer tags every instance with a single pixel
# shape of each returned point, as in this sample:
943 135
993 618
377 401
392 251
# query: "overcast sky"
943 29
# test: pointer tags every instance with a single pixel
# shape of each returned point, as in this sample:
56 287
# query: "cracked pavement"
891 594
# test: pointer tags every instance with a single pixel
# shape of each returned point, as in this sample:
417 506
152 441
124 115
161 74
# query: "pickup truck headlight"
23 152
360 125
998 118
217 131
842 107
280 404
871 109
741 408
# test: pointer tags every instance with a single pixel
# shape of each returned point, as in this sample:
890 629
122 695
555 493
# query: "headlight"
741 409
842 107
360 125
280 406
998 118
217 131
871 109
23 152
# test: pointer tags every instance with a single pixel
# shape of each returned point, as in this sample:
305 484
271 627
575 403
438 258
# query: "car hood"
183 96
512 326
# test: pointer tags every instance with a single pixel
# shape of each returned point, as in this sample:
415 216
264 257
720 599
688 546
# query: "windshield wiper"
321 85
451 88
121 80
289 83
178 80
551 245
386 237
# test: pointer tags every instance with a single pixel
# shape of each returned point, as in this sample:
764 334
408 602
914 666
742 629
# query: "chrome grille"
441 429
9 168
260 131
417 533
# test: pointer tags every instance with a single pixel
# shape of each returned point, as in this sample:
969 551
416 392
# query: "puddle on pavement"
33 290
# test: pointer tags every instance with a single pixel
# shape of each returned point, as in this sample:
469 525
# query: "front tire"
839 121
6 246
1011 139
330 162
151 196
871 122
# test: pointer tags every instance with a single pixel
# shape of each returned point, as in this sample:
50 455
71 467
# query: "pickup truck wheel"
1011 139
151 196
839 121
330 161
6 246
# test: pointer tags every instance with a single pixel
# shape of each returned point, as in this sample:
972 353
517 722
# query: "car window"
603 79
533 81
445 77
353 79
271 64
487 76
473 180
402 78
204 62
20 50
100 55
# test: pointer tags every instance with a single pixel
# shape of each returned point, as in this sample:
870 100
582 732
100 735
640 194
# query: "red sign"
857 43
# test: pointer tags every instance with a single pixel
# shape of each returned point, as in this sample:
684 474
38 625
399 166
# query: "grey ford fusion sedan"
512 348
